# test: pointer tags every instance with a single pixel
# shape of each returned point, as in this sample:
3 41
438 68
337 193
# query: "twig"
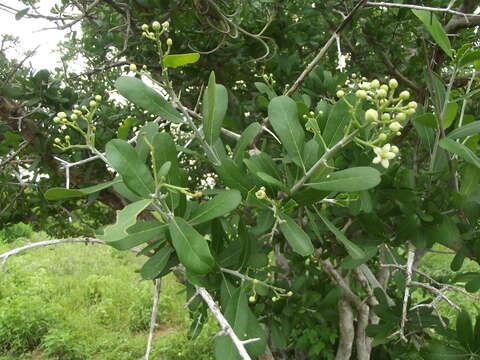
419 7
224 325
325 48
153 319
406 296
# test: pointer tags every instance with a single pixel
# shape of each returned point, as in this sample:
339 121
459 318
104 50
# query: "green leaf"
464 329
177 60
192 248
136 175
220 205
124 129
435 29
470 179
466 130
427 119
233 177
272 181
450 114
473 285
349 180
338 118
139 233
245 139
461 150
145 135
58 193
20 14
146 98
155 265
126 218
265 89
353 250
469 58
282 114
215 103
296 237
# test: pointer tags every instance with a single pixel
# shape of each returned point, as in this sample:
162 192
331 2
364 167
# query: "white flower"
342 61
384 155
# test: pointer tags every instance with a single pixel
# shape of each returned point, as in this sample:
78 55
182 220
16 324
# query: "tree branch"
347 332
419 7
153 319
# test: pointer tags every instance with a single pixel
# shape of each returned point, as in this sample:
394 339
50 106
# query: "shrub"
23 323
63 344
13 232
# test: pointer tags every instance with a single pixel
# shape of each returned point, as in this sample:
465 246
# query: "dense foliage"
281 195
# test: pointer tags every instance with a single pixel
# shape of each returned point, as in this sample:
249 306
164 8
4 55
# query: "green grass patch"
77 301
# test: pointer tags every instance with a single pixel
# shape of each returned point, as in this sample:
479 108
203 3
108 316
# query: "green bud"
133 67
371 115
57 141
62 115
393 83
361 94
395 126
67 138
169 42
92 103
145 27
412 104
98 98
404 95
251 299
400 116
410 111
375 84
385 117
74 117
384 87
56 119
156 26
340 93
381 93
382 137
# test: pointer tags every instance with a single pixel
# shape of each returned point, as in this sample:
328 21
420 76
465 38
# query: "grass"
77 301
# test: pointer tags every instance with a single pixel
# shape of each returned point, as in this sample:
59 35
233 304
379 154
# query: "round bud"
393 83
57 141
340 93
169 42
56 119
145 27
371 115
381 93
62 115
77 112
384 87
260 194
404 95
395 126
74 117
84 108
413 104
354 76
366 86
156 26
375 84
410 111
385 117
274 299
290 293
251 299
144 67
394 149
133 67
98 98
312 113
400 116
198 194
67 137
166 25
92 103
361 94
382 137
398 133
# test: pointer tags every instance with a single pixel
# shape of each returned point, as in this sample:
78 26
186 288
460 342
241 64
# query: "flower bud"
74 117
98 98
361 94
77 112
393 83
394 149
385 117
92 103
145 27
375 84
166 25
381 93
67 138
198 194
57 141
251 299
156 26
404 95
340 93
412 104
260 194
366 86
401 116
354 76
274 299
371 115
290 293
410 111
384 87
395 126
382 137
133 67
169 42
62 115
56 119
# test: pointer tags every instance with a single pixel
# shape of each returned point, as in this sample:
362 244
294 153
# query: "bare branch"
224 325
347 331
153 319
406 296
419 7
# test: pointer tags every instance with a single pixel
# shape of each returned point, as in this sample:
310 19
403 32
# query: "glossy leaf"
192 248
353 179
461 150
58 193
450 114
176 60
146 98
156 264
136 175
465 130
435 29
464 329
215 103
427 119
338 118
245 139
282 114
140 233
353 250
126 218
220 205
296 237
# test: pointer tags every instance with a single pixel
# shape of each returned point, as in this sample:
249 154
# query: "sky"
31 34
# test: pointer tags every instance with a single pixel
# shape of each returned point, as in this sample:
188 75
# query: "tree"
329 188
